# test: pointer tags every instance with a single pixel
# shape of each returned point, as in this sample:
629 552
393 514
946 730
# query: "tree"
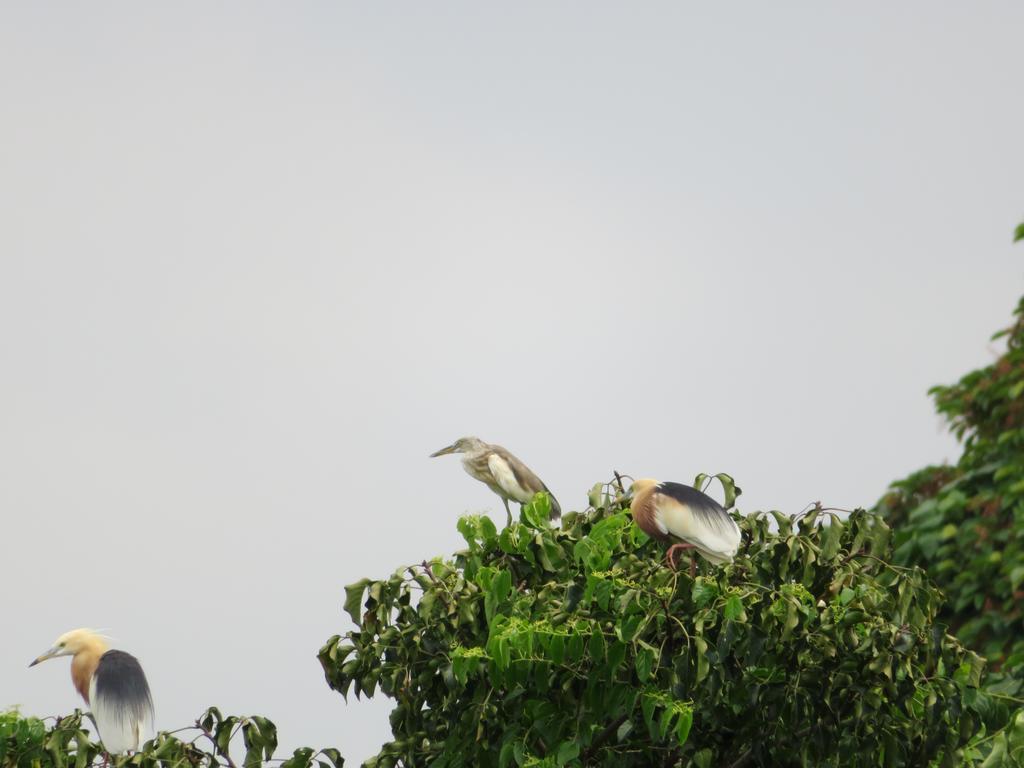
28 742
965 525
576 646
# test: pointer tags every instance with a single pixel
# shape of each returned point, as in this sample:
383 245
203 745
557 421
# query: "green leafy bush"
577 646
28 742
965 523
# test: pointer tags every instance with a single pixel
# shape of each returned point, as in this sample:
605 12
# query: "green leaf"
301 758
469 527
501 586
537 512
575 646
702 658
506 756
733 610
628 627
354 599
223 733
1016 576
333 756
703 591
488 531
567 751
647 705
644 662
556 649
616 654
732 491
683 725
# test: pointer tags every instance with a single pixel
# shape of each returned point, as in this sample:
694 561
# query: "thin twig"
618 481
603 735
436 582
209 735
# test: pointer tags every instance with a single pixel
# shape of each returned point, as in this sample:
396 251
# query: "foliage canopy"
577 646
965 523
28 742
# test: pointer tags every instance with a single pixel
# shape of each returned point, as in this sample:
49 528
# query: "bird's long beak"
48 655
443 451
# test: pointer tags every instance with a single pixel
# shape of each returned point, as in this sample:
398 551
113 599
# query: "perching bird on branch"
666 510
500 471
112 684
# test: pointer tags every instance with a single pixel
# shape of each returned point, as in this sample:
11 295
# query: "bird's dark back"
120 675
706 508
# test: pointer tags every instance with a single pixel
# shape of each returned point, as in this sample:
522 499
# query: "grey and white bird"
500 471
112 684
667 510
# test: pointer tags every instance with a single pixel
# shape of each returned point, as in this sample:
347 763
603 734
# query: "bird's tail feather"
556 508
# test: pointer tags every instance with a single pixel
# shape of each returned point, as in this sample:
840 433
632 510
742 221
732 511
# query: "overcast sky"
258 260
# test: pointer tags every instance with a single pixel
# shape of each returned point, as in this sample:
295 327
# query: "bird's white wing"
717 537
506 479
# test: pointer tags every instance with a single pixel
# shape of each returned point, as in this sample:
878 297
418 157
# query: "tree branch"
602 737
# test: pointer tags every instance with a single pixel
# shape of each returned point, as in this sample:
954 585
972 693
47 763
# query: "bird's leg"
670 557
507 512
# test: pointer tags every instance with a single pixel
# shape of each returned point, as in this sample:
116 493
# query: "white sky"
257 260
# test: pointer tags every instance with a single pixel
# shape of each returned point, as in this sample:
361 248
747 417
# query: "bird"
664 510
500 471
113 685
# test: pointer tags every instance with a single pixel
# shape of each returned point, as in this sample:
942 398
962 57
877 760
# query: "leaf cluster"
28 742
538 646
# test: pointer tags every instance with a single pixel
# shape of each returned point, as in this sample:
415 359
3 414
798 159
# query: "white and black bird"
112 684
673 510
500 471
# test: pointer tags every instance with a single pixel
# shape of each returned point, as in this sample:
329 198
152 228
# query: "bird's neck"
642 509
84 663
475 459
